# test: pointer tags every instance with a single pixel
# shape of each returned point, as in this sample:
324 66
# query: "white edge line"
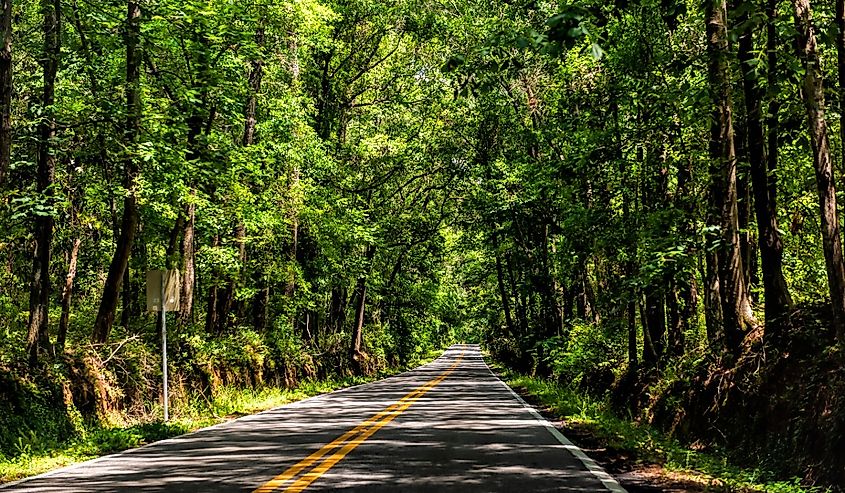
101 458
607 480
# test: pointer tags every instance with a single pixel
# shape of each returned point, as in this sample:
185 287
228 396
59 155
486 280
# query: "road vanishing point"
448 426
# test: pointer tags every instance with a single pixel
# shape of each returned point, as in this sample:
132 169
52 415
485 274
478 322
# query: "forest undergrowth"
773 420
90 403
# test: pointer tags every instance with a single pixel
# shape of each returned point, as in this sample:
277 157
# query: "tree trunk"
67 294
290 285
186 292
357 328
632 335
212 323
356 351
776 293
713 292
5 90
129 224
39 296
840 63
655 329
126 302
813 92
337 309
227 301
746 249
675 327
737 316
254 77
500 277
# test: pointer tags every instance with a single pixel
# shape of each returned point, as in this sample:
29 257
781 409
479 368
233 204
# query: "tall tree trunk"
840 63
126 302
503 292
337 309
290 284
655 329
254 77
356 350
186 292
212 323
684 279
358 324
737 316
39 295
655 289
5 90
813 92
713 292
129 223
227 301
67 294
776 293
674 328
742 195
632 335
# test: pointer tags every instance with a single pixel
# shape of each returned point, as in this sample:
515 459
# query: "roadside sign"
167 282
163 288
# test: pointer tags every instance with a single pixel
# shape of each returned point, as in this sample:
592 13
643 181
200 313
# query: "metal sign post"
164 353
162 296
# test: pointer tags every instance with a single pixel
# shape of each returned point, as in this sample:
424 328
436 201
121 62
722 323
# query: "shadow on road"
466 434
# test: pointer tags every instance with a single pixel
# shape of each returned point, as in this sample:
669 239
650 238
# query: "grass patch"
35 455
648 445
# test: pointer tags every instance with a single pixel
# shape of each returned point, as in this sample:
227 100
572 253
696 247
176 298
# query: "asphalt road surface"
450 425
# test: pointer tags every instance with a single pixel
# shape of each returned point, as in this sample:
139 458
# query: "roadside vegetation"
39 450
651 456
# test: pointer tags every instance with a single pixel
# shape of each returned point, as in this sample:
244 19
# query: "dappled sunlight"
468 433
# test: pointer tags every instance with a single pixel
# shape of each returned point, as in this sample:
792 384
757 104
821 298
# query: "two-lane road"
450 425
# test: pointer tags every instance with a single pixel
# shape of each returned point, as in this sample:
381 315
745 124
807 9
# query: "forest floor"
641 458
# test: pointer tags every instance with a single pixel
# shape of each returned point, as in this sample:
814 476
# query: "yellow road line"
346 443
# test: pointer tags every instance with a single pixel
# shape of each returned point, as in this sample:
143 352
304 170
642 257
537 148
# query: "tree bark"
356 349
655 330
840 64
776 294
813 93
186 292
357 328
503 292
126 302
67 294
5 90
737 316
212 323
675 327
632 334
39 296
227 302
129 223
337 309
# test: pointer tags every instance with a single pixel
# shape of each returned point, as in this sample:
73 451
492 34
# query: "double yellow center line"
342 445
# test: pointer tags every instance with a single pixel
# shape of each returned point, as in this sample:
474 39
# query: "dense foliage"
638 198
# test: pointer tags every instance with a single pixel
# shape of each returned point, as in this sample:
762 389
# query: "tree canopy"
344 184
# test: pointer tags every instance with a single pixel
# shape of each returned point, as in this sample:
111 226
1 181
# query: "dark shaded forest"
637 199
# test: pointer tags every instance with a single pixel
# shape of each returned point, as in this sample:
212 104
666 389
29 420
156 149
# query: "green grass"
647 444
35 455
